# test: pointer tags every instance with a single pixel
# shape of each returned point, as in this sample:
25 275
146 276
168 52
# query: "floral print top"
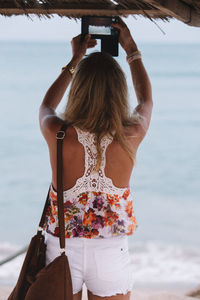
94 207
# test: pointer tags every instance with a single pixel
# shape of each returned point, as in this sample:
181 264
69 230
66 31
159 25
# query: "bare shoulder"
50 126
141 117
134 133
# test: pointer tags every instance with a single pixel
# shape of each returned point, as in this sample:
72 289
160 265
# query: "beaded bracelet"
135 55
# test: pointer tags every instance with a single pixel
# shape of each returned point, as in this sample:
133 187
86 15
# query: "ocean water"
165 182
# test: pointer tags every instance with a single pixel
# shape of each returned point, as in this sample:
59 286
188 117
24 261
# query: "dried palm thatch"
187 11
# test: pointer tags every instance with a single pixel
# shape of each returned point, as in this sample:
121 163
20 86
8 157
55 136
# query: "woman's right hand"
125 38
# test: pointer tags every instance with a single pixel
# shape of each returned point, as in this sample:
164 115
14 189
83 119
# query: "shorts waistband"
99 242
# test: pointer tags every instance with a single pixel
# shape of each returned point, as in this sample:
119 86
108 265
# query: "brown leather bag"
37 281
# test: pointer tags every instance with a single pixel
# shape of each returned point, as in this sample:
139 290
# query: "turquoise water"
166 179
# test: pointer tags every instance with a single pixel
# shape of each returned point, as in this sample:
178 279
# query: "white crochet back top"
92 180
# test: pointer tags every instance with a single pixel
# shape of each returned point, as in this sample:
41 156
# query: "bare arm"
140 79
56 91
47 116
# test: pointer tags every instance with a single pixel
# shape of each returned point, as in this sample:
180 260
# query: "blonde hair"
98 101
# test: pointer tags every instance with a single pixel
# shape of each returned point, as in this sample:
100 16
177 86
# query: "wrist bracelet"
133 56
71 69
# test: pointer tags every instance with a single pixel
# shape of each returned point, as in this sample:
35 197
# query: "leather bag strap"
60 136
61 223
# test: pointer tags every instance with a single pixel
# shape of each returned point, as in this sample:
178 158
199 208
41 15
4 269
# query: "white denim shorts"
103 264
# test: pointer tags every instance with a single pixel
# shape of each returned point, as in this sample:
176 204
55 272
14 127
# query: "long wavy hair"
98 101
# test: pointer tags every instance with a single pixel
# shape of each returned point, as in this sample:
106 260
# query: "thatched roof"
187 11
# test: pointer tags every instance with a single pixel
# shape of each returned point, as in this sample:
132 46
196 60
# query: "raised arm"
49 122
141 81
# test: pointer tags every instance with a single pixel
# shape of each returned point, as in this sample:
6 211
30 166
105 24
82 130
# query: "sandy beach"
137 294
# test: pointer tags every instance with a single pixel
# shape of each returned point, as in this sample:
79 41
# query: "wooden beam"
179 10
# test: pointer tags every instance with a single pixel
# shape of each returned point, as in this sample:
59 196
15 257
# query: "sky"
64 29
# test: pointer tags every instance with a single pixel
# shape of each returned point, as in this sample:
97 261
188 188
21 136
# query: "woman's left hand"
79 48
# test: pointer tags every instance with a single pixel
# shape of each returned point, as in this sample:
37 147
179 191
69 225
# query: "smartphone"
100 27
